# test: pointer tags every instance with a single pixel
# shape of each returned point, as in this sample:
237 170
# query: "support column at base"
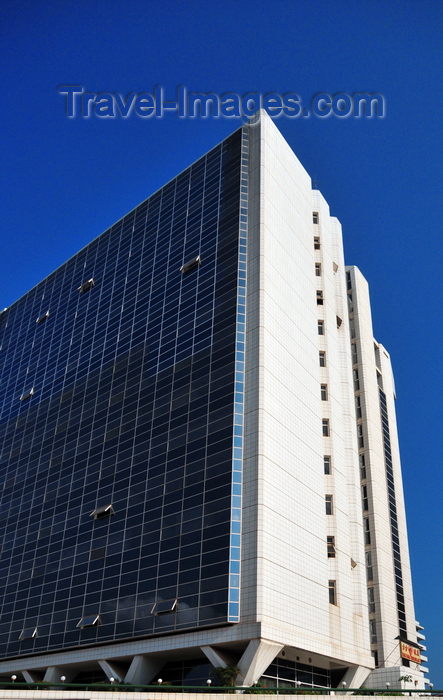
54 674
256 659
355 676
143 669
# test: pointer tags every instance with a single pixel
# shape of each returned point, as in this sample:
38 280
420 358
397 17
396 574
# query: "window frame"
327 464
332 589
86 286
83 622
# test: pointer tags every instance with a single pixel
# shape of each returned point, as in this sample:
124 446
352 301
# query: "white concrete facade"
300 414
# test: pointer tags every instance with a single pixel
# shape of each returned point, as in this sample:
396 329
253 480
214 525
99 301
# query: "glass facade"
122 379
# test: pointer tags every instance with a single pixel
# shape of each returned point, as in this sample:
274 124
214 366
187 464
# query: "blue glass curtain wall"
128 392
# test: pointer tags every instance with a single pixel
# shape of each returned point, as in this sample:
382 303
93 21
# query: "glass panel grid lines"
137 402
237 462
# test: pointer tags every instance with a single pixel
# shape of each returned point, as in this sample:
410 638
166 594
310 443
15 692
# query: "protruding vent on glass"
161 607
28 633
191 265
86 286
103 512
27 394
89 621
43 317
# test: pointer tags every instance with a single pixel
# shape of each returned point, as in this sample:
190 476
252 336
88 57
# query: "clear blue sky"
66 180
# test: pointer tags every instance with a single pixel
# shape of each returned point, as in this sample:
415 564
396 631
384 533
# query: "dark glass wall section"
116 425
393 517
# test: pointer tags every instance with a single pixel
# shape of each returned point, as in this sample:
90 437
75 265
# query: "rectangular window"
316 242
373 630
315 217
322 358
325 427
333 592
321 327
102 512
89 621
362 466
318 269
319 297
329 505
330 541
350 304
367 531
43 317
364 493
27 394
354 354
164 606
371 600
375 657
356 380
191 265
361 442
327 464
369 571
98 553
358 407
28 633
86 286
352 327
348 280
324 392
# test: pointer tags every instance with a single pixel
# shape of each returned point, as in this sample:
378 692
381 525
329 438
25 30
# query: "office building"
199 462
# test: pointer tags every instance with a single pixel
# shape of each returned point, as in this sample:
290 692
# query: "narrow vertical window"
364 494
319 297
371 600
329 504
362 466
373 629
358 407
352 327
348 280
321 327
367 531
315 217
356 380
333 592
325 427
318 269
361 441
316 242
369 571
324 392
327 464
322 358
354 354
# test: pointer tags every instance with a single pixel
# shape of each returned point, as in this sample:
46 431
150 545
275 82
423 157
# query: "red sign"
409 652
